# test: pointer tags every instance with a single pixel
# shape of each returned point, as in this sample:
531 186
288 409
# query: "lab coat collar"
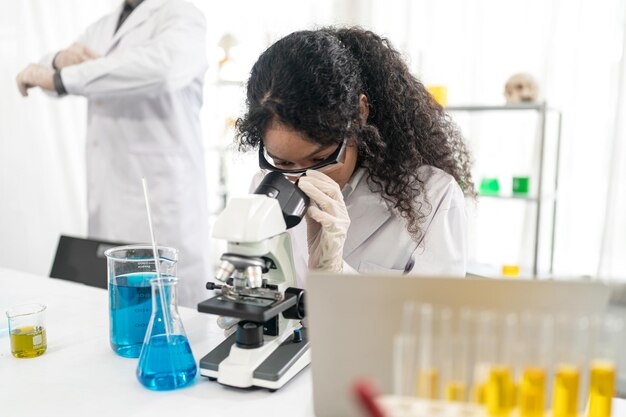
353 182
367 211
137 17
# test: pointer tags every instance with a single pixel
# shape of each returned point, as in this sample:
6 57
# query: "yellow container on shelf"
510 271
439 93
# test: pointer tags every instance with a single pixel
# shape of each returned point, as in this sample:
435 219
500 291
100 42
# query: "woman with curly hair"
381 161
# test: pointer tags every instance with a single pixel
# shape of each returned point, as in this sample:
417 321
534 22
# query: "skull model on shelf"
521 88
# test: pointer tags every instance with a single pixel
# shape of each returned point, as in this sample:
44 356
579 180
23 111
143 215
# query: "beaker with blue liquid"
130 269
166 361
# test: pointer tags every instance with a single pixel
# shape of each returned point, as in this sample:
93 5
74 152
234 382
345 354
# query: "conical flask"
166 361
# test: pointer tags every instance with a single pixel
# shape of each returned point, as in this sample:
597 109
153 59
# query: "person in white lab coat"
383 164
142 70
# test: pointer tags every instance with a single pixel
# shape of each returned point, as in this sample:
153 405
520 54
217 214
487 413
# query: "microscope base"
270 366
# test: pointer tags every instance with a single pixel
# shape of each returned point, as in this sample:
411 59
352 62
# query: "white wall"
574 48
42 173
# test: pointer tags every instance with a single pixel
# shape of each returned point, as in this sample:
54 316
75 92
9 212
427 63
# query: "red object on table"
366 393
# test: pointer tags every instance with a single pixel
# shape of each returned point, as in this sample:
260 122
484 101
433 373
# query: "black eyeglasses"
329 163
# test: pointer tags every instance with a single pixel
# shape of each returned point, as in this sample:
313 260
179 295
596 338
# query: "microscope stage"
253 309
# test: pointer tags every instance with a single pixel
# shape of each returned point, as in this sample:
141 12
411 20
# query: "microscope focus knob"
295 312
249 335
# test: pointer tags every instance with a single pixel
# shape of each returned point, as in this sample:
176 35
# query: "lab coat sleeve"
444 249
167 62
47 59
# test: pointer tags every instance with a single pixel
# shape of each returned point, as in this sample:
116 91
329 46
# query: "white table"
80 375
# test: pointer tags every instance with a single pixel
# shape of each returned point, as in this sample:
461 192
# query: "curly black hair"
311 81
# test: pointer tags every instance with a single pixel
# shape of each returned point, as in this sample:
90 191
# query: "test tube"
570 342
404 354
485 348
536 334
455 361
511 354
607 338
428 375
403 365
500 394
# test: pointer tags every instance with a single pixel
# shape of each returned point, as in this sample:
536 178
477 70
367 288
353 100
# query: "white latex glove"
228 324
74 55
35 75
327 221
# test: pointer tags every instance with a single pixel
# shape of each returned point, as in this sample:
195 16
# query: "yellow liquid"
28 341
480 393
565 396
500 392
455 391
514 396
601 389
428 384
532 392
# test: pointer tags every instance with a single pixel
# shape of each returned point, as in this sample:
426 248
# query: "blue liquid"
130 303
166 366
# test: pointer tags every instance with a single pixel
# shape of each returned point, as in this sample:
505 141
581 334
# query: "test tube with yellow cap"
607 338
536 331
455 349
501 391
427 372
570 352
485 352
404 354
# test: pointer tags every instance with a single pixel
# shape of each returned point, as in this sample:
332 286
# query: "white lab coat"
378 240
144 98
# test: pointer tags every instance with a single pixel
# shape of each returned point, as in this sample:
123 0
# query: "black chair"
82 260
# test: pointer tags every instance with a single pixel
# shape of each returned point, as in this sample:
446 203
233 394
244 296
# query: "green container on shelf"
489 186
520 185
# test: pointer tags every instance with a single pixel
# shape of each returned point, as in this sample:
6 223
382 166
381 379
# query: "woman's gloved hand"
327 221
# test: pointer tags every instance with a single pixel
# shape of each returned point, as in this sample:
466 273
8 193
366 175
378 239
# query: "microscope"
257 277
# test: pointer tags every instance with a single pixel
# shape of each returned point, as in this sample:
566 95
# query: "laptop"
82 260
353 319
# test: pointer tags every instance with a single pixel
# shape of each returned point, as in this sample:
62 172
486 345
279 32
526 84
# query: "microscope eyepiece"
293 202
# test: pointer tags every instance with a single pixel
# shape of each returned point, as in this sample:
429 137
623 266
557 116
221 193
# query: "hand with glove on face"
327 221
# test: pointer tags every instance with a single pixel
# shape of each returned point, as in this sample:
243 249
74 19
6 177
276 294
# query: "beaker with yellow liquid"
27 330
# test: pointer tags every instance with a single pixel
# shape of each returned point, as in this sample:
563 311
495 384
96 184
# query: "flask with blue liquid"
130 269
166 361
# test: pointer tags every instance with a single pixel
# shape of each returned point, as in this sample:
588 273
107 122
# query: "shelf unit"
542 110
